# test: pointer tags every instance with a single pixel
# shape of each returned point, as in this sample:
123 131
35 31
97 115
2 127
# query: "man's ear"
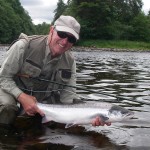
52 28
51 33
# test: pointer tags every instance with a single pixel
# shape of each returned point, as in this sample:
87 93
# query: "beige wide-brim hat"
68 24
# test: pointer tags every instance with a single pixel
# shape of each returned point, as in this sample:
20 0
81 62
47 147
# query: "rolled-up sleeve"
10 67
69 93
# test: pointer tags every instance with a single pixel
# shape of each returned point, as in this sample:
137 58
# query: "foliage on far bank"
42 29
100 20
14 20
111 20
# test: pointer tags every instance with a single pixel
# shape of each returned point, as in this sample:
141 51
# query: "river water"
126 76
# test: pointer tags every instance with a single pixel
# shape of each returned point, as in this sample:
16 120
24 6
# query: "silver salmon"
81 114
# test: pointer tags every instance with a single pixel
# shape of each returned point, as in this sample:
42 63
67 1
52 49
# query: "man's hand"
28 102
98 122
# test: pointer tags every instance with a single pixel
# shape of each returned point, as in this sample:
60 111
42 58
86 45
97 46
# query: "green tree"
42 29
6 13
61 6
13 20
98 17
126 10
141 28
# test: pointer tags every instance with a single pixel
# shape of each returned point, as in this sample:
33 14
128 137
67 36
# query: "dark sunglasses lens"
63 35
72 39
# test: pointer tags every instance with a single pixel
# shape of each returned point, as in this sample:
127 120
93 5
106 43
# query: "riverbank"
110 45
106 45
81 48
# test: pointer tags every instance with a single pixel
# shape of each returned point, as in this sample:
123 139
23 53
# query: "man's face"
57 44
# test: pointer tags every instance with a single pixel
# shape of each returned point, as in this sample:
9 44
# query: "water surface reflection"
125 75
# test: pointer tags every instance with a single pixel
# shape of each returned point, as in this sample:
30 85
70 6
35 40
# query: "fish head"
118 113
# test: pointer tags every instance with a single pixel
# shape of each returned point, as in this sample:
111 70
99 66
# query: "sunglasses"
63 35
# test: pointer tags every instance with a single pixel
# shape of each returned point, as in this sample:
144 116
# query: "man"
32 58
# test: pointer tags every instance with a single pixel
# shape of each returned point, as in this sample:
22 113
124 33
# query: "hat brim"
67 29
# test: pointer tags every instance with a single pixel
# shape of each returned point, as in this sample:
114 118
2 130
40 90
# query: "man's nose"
65 40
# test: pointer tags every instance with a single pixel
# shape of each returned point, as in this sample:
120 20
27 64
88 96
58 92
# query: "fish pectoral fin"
68 125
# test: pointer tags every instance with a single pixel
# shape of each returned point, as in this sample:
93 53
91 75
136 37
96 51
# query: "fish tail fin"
45 119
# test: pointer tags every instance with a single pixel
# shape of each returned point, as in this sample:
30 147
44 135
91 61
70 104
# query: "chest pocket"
31 68
64 75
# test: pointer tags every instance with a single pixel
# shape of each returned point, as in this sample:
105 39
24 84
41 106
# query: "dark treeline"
99 19
110 19
14 20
